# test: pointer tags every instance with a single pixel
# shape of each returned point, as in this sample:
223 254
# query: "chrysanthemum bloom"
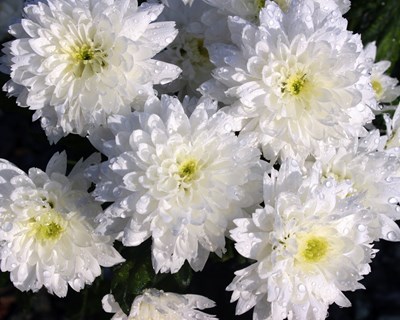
386 88
309 246
47 237
188 50
246 9
376 174
392 129
298 80
9 10
176 178
77 61
342 5
159 305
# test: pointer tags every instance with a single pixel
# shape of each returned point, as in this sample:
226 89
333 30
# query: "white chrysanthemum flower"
188 50
328 5
10 10
298 80
159 305
246 9
375 174
176 178
249 10
386 88
77 61
47 220
392 129
309 246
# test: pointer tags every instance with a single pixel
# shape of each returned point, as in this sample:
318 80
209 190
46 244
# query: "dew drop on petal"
227 127
328 184
7 226
392 200
392 236
361 228
46 274
301 288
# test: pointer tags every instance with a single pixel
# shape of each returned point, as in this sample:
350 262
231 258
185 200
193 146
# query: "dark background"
24 143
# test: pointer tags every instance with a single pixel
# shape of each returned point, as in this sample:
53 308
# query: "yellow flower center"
187 169
312 248
84 53
377 86
295 84
48 226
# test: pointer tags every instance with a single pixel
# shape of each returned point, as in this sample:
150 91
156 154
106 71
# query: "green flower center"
295 84
312 248
84 53
195 50
377 86
87 58
187 169
49 226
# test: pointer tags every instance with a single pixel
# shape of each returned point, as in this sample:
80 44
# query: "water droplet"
153 16
392 236
392 200
227 127
328 184
169 39
301 288
46 274
7 226
361 228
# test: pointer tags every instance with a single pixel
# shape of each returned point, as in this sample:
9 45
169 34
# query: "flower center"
377 86
48 226
187 169
311 248
84 53
195 51
88 59
295 84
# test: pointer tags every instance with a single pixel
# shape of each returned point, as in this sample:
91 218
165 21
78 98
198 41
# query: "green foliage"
379 21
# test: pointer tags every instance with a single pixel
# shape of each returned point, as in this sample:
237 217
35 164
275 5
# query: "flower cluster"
216 119
47 234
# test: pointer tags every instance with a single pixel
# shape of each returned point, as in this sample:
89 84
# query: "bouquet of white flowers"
258 139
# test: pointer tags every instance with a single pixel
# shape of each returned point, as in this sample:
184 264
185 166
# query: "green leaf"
183 277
